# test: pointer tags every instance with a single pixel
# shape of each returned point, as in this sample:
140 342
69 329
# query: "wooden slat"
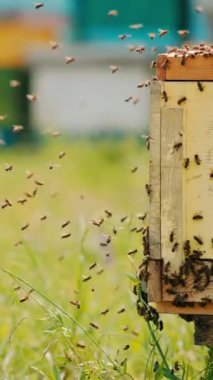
171 186
198 68
169 308
154 284
154 180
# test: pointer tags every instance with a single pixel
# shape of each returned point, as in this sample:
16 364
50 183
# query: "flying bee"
17 128
22 201
38 5
200 86
198 239
142 217
186 163
197 216
24 299
54 45
163 32
151 36
75 303
211 174
181 100
124 218
100 271
65 224
124 36
29 174
183 33
160 325
165 64
86 278
114 231
2 117
122 310
94 325
113 12
126 347
43 217
39 183
165 96
98 223
69 59
108 213
134 169
92 266
156 366
15 83
167 267
8 167
132 252
197 159
32 97
65 236
136 26
80 345
61 155
114 68
104 312
25 226
175 247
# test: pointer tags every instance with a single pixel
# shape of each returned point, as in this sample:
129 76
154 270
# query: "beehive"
180 267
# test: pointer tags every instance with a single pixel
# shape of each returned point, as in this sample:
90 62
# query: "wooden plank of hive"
154 283
169 308
169 67
172 186
154 180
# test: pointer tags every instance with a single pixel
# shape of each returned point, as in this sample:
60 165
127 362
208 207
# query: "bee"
39 183
65 236
183 33
25 226
86 278
197 216
124 218
175 247
38 5
163 32
187 247
76 303
197 159
136 26
113 12
126 347
200 86
134 169
134 229
142 217
18 243
124 36
114 68
171 236
2 117
181 100
8 167
29 174
54 45
199 9
156 366
17 128
128 99
94 325
69 59
167 267
153 65
183 60
44 217
100 271
122 310
186 163
65 224
104 312
148 189
15 83
24 299
114 231
98 223
80 345
177 146
108 213
211 174
132 252
34 192
180 300
61 155
165 64
56 134
22 201
92 266
152 36
165 96
198 239
160 325
32 97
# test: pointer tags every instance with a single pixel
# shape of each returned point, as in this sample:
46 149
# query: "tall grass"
56 321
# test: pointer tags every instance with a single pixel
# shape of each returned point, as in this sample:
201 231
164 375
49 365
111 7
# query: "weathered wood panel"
169 308
154 180
154 283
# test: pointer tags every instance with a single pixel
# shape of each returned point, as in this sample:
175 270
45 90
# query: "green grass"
39 338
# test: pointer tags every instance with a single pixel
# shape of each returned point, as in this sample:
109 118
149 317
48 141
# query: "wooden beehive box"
181 183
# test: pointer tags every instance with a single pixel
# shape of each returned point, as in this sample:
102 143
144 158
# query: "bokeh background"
83 98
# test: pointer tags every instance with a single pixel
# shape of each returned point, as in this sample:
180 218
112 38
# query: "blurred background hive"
84 97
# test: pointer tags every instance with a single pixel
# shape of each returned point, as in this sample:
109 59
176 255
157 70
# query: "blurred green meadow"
69 312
